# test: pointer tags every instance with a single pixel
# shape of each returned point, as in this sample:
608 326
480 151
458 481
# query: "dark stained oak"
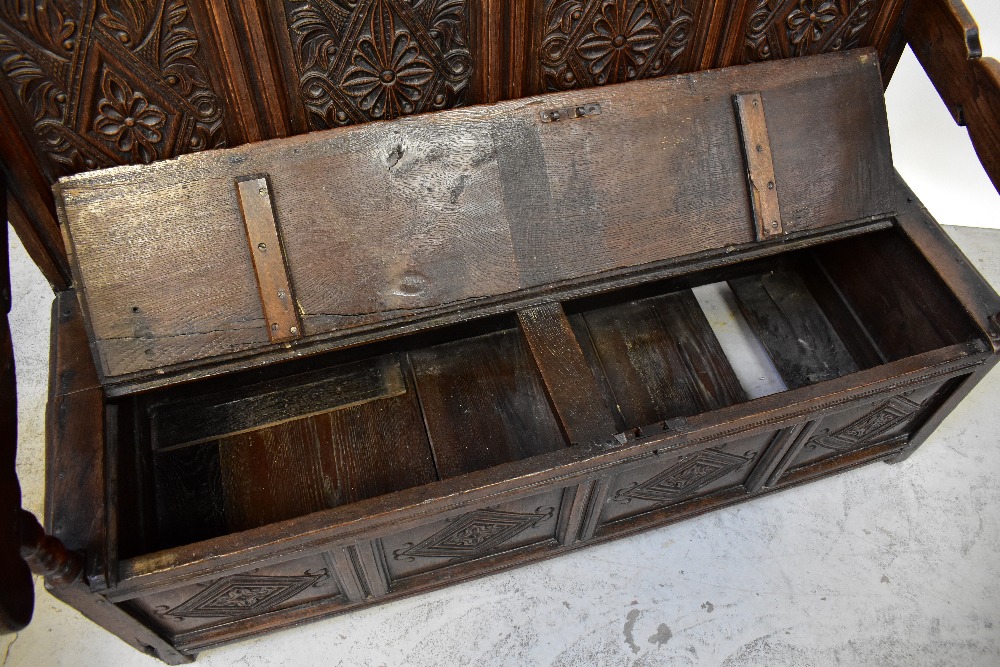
793 327
289 483
945 39
190 505
659 357
201 418
435 225
572 389
498 356
483 402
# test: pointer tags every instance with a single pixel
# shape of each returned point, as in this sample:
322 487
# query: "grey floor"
886 565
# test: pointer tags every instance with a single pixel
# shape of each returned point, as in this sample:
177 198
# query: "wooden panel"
585 43
793 327
242 594
572 389
683 475
118 83
483 403
206 417
896 295
471 535
377 448
864 426
325 461
761 30
272 474
516 204
74 423
190 505
660 358
355 61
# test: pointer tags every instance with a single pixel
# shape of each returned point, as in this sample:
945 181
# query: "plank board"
659 357
429 215
174 423
483 403
571 386
325 460
792 326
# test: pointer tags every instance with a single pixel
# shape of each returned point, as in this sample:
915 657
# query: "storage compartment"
237 452
233 453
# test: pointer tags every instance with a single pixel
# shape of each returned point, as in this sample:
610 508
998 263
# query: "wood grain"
423 223
175 423
325 460
659 357
793 328
896 295
272 474
760 167
375 448
483 403
276 295
190 505
945 38
572 389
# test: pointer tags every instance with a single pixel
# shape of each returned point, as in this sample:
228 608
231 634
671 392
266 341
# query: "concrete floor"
886 565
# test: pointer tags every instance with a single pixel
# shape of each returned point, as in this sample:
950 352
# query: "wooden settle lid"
235 258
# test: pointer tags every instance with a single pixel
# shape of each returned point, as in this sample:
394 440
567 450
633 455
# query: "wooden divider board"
385 222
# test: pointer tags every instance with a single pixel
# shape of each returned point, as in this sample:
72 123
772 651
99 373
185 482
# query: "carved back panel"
95 83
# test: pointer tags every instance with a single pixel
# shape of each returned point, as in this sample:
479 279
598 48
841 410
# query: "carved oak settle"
470 338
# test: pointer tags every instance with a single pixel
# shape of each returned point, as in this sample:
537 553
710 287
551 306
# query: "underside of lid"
238 257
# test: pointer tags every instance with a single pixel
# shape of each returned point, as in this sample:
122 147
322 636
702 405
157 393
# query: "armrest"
945 39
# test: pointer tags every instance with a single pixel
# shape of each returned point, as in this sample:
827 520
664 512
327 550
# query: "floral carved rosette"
379 59
776 29
87 105
592 43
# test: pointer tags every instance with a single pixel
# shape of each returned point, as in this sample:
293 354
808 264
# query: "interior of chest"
217 456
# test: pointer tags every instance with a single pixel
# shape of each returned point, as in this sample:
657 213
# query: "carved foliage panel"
585 43
243 595
361 60
472 535
660 481
785 28
109 82
870 424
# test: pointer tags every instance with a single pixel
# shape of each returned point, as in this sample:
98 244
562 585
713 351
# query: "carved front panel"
872 423
585 43
361 60
243 595
472 535
664 480
108 82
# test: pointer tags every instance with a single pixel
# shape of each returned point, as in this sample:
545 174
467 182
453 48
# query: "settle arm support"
945 39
